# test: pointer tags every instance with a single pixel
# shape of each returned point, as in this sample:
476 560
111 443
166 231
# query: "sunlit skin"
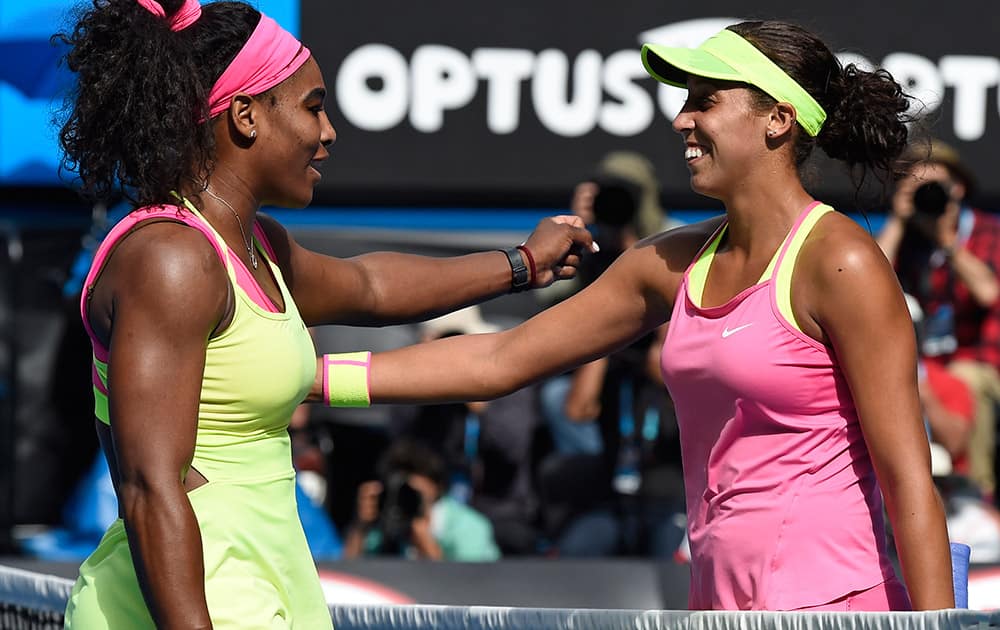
298 133
717 120
164 292
844 295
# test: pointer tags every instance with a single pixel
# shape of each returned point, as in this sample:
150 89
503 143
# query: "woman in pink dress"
790 354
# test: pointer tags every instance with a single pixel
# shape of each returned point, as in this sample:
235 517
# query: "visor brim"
673 65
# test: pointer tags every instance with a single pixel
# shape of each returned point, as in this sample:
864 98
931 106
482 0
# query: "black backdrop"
414 85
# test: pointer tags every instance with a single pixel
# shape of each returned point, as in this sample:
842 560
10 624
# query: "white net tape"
33 601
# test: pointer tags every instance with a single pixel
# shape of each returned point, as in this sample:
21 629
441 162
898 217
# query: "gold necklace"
246 242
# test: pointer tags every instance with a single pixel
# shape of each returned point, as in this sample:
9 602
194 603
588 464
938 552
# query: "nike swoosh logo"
726 332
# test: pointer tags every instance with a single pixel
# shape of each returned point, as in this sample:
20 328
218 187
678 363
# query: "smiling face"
724 135
295 139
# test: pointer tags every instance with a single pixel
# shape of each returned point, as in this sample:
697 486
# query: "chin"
703 190
298 200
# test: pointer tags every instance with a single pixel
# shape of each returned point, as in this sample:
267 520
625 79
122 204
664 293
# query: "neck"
228 185
761 213
227 202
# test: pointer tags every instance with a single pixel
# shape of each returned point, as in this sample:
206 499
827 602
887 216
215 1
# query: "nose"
683 122
327 135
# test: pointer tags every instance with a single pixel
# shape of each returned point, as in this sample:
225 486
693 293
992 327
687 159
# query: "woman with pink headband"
197 307
790 355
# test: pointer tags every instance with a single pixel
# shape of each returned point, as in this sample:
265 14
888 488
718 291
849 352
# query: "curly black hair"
133 123
867 112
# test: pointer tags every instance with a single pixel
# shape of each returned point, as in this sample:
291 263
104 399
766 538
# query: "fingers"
572 260
569 219
578 233
583 237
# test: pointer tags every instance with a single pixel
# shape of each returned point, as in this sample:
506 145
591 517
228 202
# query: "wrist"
532 270
519 271
346 379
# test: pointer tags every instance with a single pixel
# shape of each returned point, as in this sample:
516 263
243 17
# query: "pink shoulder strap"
261 236
119 231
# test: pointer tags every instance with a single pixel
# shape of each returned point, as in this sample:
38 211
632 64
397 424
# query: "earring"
770 133
253 134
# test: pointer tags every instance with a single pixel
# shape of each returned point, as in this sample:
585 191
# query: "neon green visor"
729 57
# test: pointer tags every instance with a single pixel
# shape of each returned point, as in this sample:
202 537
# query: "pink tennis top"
783 507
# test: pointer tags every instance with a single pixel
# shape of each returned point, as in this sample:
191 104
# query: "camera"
399 504
616 202
930 199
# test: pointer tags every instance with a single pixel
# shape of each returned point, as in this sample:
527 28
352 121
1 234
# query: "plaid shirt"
976 329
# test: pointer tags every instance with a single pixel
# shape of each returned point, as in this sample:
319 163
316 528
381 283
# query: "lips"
315 166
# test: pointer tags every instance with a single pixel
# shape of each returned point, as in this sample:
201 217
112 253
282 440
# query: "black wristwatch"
520 279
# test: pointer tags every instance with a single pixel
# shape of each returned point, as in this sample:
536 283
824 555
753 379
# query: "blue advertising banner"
33 84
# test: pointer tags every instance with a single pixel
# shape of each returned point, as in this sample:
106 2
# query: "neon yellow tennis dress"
259 572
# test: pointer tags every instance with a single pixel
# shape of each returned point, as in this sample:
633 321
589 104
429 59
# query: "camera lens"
930 199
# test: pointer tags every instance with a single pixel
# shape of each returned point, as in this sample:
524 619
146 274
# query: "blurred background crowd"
585 464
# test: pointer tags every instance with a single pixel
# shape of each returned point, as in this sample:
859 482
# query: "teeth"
691 153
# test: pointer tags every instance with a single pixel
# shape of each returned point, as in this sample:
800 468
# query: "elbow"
497 388
138 493
134 494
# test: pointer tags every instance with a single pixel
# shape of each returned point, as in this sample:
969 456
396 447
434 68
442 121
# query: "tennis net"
34 601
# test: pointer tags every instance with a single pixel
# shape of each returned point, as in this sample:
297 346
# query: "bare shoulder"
677 247
654 267
167 250
838 248
843 281
170 267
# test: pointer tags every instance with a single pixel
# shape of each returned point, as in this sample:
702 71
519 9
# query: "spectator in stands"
790 356
948 405
490 446
197 306
620 204
613 486
947 254
409 512
949 410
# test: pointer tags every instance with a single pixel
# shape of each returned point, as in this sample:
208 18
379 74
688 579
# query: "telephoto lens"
930 199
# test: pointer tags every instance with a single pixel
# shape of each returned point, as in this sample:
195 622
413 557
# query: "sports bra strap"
786 262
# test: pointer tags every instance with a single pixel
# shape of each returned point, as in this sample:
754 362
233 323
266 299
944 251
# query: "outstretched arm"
607 315
852 294
388 288
628 300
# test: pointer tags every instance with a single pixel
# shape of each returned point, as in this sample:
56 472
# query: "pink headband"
270 56
187 15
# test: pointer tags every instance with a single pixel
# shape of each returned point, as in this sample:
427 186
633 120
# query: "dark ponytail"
866 111
132 124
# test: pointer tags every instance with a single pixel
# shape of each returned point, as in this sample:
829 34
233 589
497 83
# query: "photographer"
946 255
407 513
613 485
